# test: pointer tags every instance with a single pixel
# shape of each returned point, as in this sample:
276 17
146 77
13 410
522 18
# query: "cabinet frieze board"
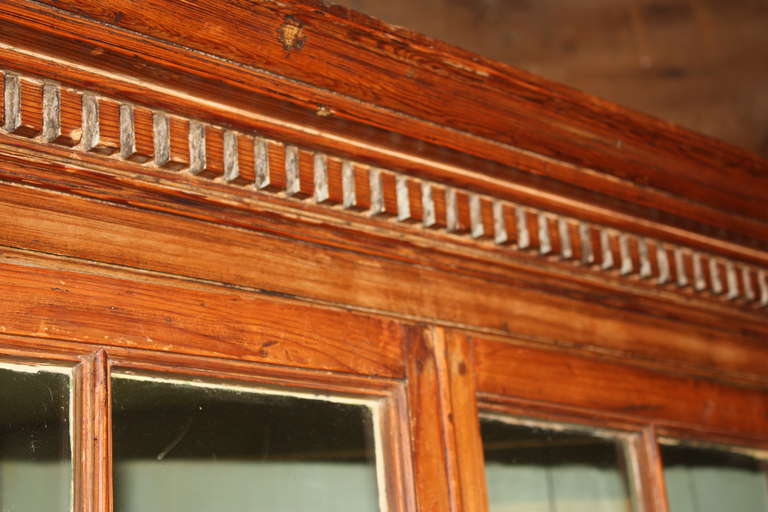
213 156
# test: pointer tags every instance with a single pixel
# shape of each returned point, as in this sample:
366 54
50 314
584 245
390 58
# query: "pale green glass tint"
35 453
193 448
703 479
530 468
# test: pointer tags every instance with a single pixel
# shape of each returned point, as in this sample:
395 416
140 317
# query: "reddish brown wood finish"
461 369
553 182
642 395
364 211
512 301
653 481
195 320
434 459
429 80
644 470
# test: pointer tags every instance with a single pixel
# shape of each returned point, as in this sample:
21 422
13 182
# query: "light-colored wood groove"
45 112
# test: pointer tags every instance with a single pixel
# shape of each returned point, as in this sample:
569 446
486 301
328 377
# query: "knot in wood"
291 33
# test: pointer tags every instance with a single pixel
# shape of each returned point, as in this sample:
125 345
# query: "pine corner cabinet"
277 255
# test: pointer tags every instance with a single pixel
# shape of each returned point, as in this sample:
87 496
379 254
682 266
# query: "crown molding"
707 194
431 84
219 161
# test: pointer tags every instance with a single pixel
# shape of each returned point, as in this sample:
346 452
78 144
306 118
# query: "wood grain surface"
296 195
502 300
590 384
222 323
220 155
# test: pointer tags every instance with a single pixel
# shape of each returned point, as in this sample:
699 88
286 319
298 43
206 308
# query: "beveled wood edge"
650 462
38 350
50 114
80 360
696 364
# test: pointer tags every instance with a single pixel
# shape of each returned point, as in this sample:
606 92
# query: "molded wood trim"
359 58
705 194
92 236
162 141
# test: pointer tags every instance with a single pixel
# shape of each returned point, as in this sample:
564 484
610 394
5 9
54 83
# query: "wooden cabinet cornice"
300 187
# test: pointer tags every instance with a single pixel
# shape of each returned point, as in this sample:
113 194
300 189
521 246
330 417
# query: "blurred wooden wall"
702 64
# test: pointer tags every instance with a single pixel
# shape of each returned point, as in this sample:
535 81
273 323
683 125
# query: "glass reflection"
35 458
706 479
532 468
191 447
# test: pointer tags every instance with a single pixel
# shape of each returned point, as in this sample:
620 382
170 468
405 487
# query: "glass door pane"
184 446
35 449
708 479
532 467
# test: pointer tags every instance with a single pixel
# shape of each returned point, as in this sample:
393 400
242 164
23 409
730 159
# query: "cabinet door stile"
468 444
434 456
651 471
102 433
83 438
